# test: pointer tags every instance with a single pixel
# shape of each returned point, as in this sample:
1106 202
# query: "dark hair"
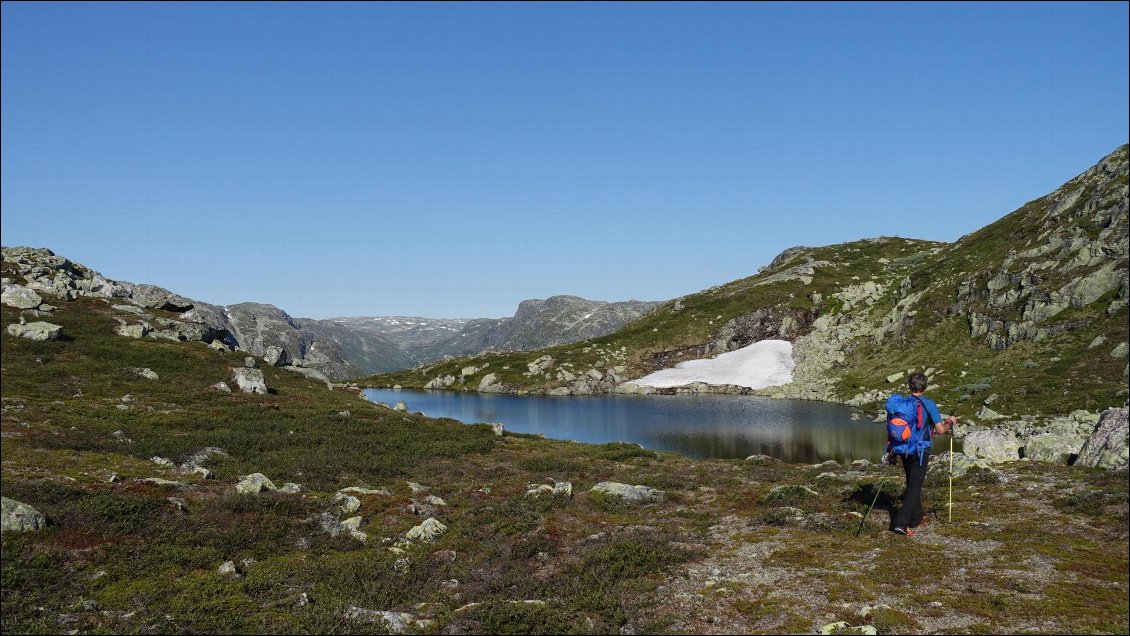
917 382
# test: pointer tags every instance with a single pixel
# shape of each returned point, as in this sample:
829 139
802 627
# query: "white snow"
761 364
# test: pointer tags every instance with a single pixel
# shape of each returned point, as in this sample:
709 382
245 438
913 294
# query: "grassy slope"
669 329
1056 375
1045 551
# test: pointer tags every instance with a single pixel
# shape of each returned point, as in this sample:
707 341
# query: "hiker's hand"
946 425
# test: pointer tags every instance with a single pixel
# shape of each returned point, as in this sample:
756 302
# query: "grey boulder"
16 516
20 297
249 380
36 330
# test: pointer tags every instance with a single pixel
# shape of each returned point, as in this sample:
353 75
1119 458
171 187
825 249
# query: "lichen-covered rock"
254 483
249 380
276 357
147 373
393 622
1108 445
994 445
627 493
140 330
36 331
347 504
20 297
430 530
16 516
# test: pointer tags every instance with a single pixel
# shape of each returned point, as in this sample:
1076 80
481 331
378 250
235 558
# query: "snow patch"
761 364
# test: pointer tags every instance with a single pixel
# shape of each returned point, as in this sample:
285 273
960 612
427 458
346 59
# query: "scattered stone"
228 569
290 488
114 478
762 458
347 504
200 470
162 461
445 556
357 490
41 331
343 414
987 413
249 380
1120 351
16 516
630 494
400 406
432 500
497 428
254 483
790 492
303 600
146 373
417 488
179 504
430 530
161 482
394 622
250 362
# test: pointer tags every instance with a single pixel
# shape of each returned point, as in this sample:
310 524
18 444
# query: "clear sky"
450 160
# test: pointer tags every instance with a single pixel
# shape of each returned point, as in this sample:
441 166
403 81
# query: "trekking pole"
950 506
864 519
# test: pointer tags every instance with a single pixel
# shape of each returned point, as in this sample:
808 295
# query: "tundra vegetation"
353 517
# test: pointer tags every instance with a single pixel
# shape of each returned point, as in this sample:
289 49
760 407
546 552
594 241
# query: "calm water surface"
703 426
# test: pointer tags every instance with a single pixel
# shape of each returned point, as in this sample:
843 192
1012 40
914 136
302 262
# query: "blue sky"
450 160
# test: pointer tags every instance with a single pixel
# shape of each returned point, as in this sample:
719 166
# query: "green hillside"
1031 309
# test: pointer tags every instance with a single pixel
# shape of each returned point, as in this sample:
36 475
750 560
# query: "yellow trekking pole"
950 506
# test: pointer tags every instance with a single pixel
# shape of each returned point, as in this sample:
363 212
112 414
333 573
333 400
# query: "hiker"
913 446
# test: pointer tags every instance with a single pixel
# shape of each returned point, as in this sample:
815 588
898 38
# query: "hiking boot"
906 531
922 524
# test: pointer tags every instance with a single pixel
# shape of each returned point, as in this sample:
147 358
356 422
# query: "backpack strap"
928 425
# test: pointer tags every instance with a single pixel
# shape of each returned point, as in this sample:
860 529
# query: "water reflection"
703 426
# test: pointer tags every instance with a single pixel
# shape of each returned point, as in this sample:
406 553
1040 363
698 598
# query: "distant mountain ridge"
537 323
338 348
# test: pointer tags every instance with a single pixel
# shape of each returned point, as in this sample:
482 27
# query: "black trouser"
910 514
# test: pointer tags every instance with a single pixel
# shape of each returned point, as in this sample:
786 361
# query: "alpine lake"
699 426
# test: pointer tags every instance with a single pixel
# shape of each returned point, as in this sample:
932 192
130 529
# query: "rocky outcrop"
993 445
1107 447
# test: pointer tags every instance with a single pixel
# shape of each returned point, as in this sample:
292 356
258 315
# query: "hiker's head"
917 382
